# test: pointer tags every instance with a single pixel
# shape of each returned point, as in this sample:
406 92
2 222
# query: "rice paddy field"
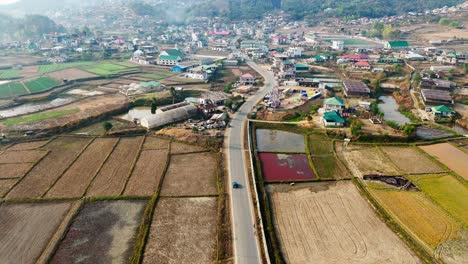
9 74
454 158
83 199
43 69
286 167
41 84
279 141
104 69
12 89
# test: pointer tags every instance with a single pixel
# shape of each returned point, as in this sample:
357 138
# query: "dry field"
148 172
103 232
155 143
23 156
27 228
6 185
454 158
432 32
279 141
14 170
28 145
183 231
190 175
181 148
115 172
70 74
63 151
332 223
410 160
76 179
363 160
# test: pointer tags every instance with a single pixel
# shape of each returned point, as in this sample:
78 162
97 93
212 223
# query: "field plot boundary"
440 163
134 162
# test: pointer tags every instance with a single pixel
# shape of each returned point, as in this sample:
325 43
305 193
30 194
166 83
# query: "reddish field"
147 173
63 151
286 167
77 178
115 172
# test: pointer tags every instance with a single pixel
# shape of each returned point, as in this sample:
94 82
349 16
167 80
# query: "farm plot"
76 179
181 148
6 185
148 172
9 74
279 141
12 90
320 145
446 191
28 145
417 214
71 74
454 158
286 167
27 228
363 160
43 69
155 143
330 167
186 177
114 173
183 231
108 69
332 223
63 151
410 160
41 84
155 76
13 170
103 232
23 156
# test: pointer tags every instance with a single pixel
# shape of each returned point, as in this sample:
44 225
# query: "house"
199 73
279 40
337 45
179 68
170 57
442 111
294 52
356 57
391 61
301 67
334 104
333 119
437 84
247 79
436 96
356 89
415 57
362 65
396 45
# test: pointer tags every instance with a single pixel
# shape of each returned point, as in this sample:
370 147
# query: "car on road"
235 185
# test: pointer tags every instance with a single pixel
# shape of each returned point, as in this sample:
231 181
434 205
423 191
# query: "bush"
356 126
107 126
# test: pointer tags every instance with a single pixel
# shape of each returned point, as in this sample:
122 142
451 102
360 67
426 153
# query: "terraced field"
43 69
12 90
41 84
9 74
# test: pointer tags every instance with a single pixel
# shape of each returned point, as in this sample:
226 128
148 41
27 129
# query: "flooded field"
454 158
279 141
284 167
35 107
390 109
425 132
137 113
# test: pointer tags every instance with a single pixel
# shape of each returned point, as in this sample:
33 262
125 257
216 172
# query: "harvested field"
103 232
286 167
23 156
156 143
115 172
332 223
181 148
330 167
446 191
410 160
71 74
148 172
462 144
76 179
320 145
14 170
183 231
454 158
279 141
364 160
28 145
186 177
6 185
417 214
63 151
27 228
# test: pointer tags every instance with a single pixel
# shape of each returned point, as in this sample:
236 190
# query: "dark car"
235 185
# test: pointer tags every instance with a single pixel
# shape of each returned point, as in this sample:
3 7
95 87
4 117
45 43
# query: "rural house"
333 119
362 65
247 79
397 45
170 57
436 96
334 104
442 111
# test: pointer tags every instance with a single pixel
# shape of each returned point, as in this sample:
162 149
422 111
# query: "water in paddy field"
34 107
137 113
390 109
457 128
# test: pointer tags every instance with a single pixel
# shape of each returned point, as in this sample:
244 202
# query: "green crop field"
448 192
108 69
41 84
12 89
9 74
43 69
37 117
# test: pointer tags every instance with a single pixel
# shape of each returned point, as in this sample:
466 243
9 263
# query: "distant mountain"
28 27
23 7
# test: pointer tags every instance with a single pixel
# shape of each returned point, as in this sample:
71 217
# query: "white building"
337 45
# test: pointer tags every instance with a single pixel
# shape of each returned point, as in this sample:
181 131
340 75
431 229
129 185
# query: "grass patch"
104 69
448 192
9 74
37 117
320 145
41 84
12 89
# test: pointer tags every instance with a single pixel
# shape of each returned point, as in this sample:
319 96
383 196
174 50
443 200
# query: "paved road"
246 245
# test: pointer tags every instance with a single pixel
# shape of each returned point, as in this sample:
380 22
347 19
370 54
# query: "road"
245 242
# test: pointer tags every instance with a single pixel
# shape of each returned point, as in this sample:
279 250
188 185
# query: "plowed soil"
21 156
363 160
14 170
155 143
28 145
454 158
181 148
410 160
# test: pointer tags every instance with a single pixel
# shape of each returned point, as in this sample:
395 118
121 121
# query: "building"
333 119
362 65
356 89
337 45
176 114
170 57
442 111
431 96
391 61
247 79
301 67
437 84
334 104
397 45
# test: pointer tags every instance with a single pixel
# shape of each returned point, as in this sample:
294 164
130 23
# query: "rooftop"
333 101
357 87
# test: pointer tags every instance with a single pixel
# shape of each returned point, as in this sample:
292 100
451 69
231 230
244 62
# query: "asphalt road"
246 245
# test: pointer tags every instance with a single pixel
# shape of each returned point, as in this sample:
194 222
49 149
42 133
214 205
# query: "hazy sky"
6 2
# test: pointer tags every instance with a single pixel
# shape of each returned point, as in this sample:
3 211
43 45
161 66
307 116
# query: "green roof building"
301 67
396 45
334 104
442 111
333 119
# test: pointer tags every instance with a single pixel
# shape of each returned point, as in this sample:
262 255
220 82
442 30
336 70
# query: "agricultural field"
183 231
279 141
323 156
14 170
410 160
27 228
10 74
41 84
28 145
454 158
181 148
104 69
12 89
448 192
461 144
154 143
332 223
39 117
43 69
103 232
22 156
71 74
155 76
185 177
286 167
368 160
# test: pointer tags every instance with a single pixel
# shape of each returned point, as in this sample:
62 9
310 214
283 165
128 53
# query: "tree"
444 21
389 33
154 105
409 129
107 126
379 26
465 68
228 87
173 94
356 126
